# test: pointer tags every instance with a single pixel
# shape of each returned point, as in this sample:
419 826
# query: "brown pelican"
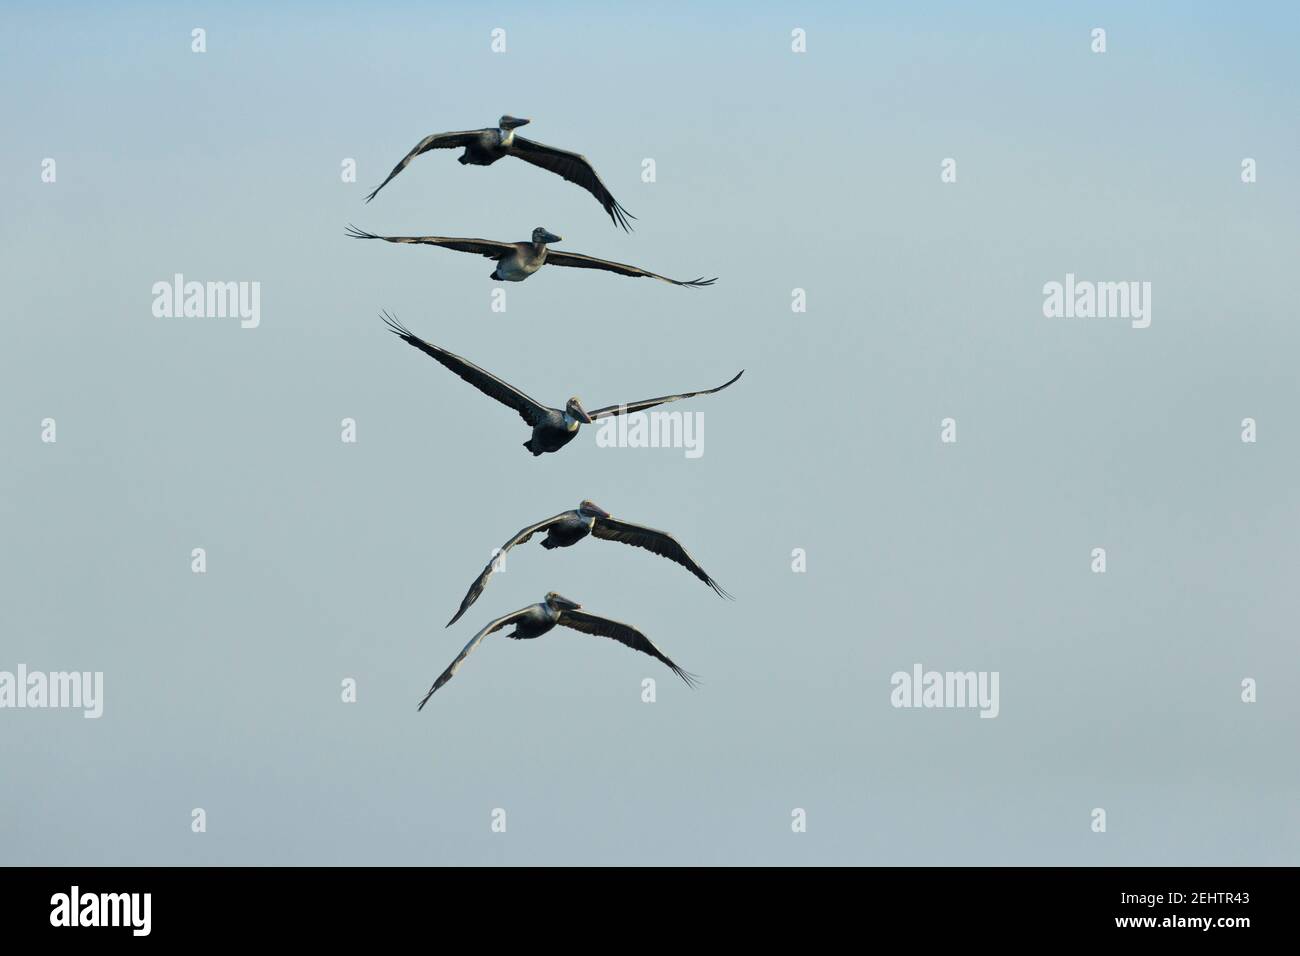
536 619
569 527
516 261
483 147
553 428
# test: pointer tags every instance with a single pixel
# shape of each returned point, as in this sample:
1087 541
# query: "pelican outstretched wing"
576 261
576 169
474 642
629 407
658 542
488 248
481 581
434 141
625 634
529 409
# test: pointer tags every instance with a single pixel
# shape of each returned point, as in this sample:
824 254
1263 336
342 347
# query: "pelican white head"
559 602
573 409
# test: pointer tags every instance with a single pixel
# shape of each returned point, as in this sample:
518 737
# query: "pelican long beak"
597 510
565 604
552 237
515 122
581 414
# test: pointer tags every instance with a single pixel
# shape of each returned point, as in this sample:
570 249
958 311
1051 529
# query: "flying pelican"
569 527
553 428
536 619
516 261
483 147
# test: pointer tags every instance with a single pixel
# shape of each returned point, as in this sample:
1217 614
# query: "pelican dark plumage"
537 619
483 147
516 261
569 527
553 428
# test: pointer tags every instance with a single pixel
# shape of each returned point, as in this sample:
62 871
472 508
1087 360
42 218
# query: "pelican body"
488 145
572 526
526 258
537 619
558 428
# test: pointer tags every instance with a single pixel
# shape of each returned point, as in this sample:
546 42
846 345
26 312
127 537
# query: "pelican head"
558 602
513 122
589 509
541 236
573 407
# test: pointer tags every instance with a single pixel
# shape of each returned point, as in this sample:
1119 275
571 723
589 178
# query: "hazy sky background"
775 171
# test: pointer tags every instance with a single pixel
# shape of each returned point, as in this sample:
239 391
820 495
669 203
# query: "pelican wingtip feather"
691 680
620 215
394 326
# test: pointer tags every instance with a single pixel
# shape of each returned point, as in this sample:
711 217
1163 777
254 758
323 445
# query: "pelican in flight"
553 428
483 147
516 261
569 527
536 619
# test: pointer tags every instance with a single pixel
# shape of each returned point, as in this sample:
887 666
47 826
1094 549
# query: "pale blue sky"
775 171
